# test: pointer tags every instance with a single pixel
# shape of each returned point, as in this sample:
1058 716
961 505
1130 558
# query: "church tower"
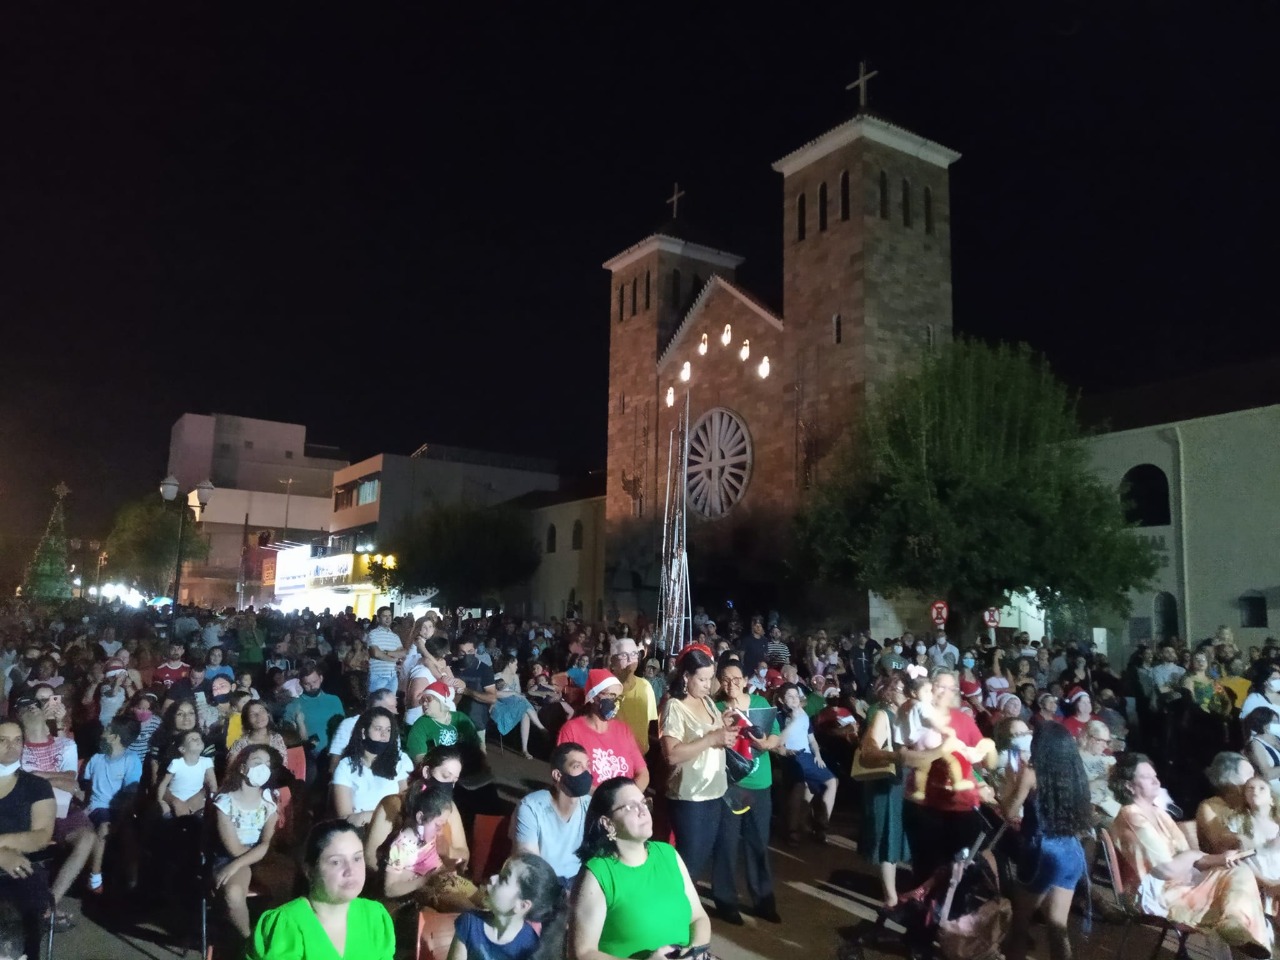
866 265
653 284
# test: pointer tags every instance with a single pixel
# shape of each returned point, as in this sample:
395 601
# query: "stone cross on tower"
862 83
674 201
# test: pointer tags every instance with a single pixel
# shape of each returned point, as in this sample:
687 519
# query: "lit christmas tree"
47 577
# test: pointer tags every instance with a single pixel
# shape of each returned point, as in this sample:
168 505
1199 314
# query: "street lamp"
169 490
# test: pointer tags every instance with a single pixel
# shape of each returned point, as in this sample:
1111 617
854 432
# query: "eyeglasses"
1100 739
635 806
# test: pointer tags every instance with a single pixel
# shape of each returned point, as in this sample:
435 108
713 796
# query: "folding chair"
490 845
1133 914
435 934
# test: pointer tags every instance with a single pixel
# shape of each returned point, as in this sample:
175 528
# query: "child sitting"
112 774
526 890
188 780
1258 828
407 857
799 744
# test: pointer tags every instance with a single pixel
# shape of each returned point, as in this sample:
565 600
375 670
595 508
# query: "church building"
866 260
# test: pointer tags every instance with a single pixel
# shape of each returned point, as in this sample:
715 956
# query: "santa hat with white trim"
600 680
442 692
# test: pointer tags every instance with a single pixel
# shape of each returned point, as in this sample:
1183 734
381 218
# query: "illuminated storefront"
335 582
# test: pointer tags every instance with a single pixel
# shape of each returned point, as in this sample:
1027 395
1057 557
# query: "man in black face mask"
549 823
481 691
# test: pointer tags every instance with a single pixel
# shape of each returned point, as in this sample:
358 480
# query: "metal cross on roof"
61 491
862 83
676 194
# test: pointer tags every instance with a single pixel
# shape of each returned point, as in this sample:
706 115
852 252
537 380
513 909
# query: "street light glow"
702 346
671 396
745 351
686 372
764 368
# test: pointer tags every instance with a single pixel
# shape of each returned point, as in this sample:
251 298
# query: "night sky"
387 221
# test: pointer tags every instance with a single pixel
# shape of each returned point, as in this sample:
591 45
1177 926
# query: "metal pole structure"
686 622
177 573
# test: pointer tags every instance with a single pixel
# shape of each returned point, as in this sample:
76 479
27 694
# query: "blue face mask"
968 662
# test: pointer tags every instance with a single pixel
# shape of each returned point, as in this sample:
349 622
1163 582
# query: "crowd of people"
349 762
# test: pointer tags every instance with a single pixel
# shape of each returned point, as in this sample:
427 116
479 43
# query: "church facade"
866 259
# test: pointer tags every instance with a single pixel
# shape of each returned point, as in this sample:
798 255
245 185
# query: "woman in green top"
440 726
634 899
752 795
331 922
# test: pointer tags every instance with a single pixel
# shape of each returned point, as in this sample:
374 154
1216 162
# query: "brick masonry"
888 282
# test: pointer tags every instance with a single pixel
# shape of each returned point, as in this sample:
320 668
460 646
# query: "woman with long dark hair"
526 891
372 767
257 729
1052 792
634 897
695 736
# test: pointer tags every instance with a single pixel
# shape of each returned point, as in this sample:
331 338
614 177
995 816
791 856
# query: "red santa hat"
1075 693
442 692
600 680
970 688
112 667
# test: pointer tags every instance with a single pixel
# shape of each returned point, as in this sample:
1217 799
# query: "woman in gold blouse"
695 736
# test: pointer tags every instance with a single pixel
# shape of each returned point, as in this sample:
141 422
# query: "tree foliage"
143 544
968 480
468 552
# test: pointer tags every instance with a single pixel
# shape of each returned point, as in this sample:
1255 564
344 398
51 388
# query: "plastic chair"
490 845
435 934
1134 915
295 761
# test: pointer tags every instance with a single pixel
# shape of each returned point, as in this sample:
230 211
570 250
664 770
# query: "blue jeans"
382 681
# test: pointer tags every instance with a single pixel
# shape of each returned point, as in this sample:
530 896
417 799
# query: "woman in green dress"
331 921
634 898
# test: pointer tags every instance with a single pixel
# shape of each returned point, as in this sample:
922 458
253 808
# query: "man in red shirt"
610 745
173 669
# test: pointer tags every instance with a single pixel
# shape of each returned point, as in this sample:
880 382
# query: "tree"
47 576
466 551
143 543
968 480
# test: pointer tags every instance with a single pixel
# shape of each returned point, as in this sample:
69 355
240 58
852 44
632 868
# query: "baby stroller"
961 908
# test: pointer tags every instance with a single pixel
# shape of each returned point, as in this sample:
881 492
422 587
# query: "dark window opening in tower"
884 195
633 296
697 286
836 328
928 336
622 297
646 289
906 203
822 207
844 195
800 224
675 289
928 210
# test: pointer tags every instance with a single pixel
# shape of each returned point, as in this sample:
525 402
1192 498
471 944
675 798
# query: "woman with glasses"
634 896
754 791
695 736
1095 746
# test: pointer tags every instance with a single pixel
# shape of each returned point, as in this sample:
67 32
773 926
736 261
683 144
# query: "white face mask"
763 671
1022 743
897 648
920 648
1274 684
8 769
1273 729
259 775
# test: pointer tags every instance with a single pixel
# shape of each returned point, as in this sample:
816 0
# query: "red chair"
490 845
435 934
295 760
1132 914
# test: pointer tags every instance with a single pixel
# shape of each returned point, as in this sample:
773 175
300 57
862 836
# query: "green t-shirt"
761 778
292 932
427 733
646 906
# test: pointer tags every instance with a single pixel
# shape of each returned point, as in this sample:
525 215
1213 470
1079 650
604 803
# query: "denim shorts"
815 777
1051 862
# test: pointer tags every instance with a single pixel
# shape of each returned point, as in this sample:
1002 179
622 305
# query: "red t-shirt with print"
610 754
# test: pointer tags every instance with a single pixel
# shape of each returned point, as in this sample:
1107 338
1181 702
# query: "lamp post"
169 490
288 492
96 545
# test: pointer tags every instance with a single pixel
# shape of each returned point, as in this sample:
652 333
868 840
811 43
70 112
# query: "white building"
1205 492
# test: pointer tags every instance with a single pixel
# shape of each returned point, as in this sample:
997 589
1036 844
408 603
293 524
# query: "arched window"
633 296
622 296
800 217
551 538
646 289
675 289
836 331
844 195
884 195
822 207
1145 492
928 210
576 542
697 285
906 203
